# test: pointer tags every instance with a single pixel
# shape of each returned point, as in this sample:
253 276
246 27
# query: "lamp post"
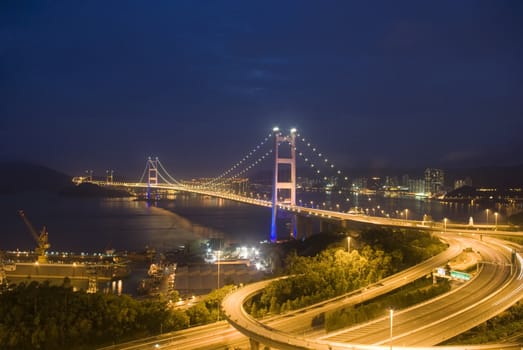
348 244
496 220
406 214
391 311
218 281
445 224
487 215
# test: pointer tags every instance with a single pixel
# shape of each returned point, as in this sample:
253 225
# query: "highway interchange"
492 291
495 288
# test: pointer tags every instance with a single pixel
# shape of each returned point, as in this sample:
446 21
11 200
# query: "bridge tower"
109 176
89 175
152 170
288 186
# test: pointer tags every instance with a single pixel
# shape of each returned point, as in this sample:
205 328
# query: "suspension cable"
325 161
168 175
237 165
144 171
253 164
167 181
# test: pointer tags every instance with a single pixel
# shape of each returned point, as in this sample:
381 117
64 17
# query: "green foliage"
207 310
406 247
334 271
412 294
40 316
198 314
330 273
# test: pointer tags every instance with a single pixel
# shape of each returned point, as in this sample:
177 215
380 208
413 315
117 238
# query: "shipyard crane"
40 238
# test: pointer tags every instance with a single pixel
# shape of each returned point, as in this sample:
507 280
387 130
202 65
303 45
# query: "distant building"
405 180
359 184
310 184
240 185
462 182
374 183
416 185
434 180
391 181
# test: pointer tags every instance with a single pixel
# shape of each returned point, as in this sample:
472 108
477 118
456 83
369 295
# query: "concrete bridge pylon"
152 174
289 187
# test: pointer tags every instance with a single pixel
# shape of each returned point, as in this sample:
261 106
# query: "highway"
221 335
305 316
443 318
218 335
293 330
492 291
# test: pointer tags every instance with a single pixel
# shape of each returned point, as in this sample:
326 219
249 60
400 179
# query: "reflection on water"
395 207
94 224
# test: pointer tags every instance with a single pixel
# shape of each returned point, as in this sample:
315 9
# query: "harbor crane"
40 238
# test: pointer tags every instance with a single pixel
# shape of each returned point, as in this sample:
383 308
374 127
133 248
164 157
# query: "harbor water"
99 224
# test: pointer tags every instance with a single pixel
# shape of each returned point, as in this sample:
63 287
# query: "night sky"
102 85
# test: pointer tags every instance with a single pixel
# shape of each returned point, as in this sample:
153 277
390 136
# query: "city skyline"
102 86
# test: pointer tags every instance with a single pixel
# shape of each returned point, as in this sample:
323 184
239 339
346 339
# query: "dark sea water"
93 225
96 224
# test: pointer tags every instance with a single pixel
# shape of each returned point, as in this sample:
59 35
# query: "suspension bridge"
285 150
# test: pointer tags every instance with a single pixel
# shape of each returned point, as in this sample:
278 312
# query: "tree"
198 314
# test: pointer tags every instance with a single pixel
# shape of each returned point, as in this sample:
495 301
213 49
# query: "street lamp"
218 281
487 215
390 335
445 224
348 244
496 219
406 214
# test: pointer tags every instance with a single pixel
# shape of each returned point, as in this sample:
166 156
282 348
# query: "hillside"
91 190
18 177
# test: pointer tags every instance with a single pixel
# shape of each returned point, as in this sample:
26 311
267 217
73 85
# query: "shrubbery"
334 271
415 293
40 316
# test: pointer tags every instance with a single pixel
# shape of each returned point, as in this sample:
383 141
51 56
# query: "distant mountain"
92 190
18 177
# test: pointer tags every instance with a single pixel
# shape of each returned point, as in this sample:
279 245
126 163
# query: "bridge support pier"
255 345
331 226
325 226
303 226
